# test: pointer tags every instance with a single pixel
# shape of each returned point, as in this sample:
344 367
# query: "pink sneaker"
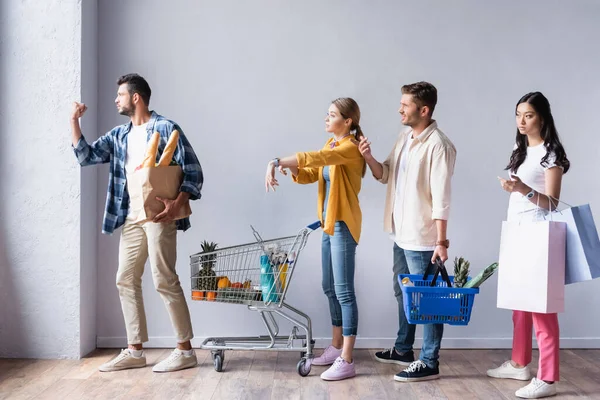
328 356
341 369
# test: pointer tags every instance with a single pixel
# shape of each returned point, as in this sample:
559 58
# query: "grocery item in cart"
279 265
289 265
267 280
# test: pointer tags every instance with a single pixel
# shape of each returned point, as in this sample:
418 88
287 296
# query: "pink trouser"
547 334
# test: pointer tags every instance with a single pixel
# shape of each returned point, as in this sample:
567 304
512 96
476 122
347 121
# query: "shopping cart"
256 275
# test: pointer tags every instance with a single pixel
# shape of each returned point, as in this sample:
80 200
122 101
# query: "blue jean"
415 262
338 252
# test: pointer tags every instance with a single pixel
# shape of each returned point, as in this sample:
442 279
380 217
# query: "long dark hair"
348 108
548 132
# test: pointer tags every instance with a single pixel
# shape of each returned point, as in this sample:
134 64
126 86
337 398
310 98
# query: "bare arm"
289 162
442 169
553 187
440 250
375 166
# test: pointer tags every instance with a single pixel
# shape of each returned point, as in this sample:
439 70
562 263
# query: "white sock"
187 353
136 353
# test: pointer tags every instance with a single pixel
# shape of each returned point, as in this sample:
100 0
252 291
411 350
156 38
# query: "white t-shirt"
136 147
398 198
533 174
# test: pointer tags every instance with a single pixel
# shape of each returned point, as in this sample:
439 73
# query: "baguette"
151 150
167 155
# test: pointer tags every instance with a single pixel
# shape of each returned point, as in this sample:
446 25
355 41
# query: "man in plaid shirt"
124 148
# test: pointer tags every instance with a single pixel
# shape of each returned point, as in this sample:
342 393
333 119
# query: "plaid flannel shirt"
112 148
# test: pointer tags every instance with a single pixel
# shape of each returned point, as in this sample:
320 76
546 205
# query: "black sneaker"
418 371
391 356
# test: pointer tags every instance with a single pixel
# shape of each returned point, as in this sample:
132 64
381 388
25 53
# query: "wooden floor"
267 375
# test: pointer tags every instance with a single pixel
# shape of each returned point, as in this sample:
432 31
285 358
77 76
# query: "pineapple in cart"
207 278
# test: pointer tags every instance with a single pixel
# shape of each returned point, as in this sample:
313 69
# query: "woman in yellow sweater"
338 168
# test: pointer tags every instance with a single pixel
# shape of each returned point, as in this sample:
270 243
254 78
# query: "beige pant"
159 242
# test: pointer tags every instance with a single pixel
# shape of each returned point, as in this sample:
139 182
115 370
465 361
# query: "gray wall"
47 249
89 178
249 81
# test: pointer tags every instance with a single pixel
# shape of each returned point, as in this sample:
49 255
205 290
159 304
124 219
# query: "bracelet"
276 162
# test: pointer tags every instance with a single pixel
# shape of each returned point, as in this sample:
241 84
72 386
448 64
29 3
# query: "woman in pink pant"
537 165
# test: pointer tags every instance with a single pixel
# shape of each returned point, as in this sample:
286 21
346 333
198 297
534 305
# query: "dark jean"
338 252
415 262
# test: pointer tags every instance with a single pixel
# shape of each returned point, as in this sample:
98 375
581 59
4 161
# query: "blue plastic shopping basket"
438 304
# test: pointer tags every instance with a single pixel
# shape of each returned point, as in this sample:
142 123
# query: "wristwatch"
445 243
276 162
530 194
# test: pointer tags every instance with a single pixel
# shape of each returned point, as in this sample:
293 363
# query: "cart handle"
314 226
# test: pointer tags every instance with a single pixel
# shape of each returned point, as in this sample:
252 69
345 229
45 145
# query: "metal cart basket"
258 276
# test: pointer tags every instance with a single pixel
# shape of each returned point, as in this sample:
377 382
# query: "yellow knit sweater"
346 166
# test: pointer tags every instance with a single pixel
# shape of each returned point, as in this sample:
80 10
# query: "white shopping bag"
531 271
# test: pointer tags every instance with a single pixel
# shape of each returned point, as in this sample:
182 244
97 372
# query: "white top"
533 174
398 199
136 147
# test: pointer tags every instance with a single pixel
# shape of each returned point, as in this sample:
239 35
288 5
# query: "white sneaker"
507 371
125 360
536 389
176 361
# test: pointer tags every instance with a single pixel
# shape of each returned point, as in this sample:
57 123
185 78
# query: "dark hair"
549 134
424 94
136 84
348 108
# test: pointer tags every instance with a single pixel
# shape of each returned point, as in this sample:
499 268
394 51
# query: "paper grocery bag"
583 244
146 184
531 271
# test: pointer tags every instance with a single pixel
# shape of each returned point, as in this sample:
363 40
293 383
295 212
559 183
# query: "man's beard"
127 111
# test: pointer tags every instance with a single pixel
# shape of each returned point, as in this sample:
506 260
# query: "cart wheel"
303 353
218 362
303 368
215 353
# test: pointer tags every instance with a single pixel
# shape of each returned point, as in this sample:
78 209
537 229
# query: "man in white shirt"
417 172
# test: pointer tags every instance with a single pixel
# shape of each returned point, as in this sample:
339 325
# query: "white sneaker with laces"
536 390
125 360
508 371
176 361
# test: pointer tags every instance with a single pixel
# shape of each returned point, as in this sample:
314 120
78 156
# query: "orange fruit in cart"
211 296
224 283
197 295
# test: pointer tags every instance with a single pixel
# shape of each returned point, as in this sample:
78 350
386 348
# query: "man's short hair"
423 93
136 84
